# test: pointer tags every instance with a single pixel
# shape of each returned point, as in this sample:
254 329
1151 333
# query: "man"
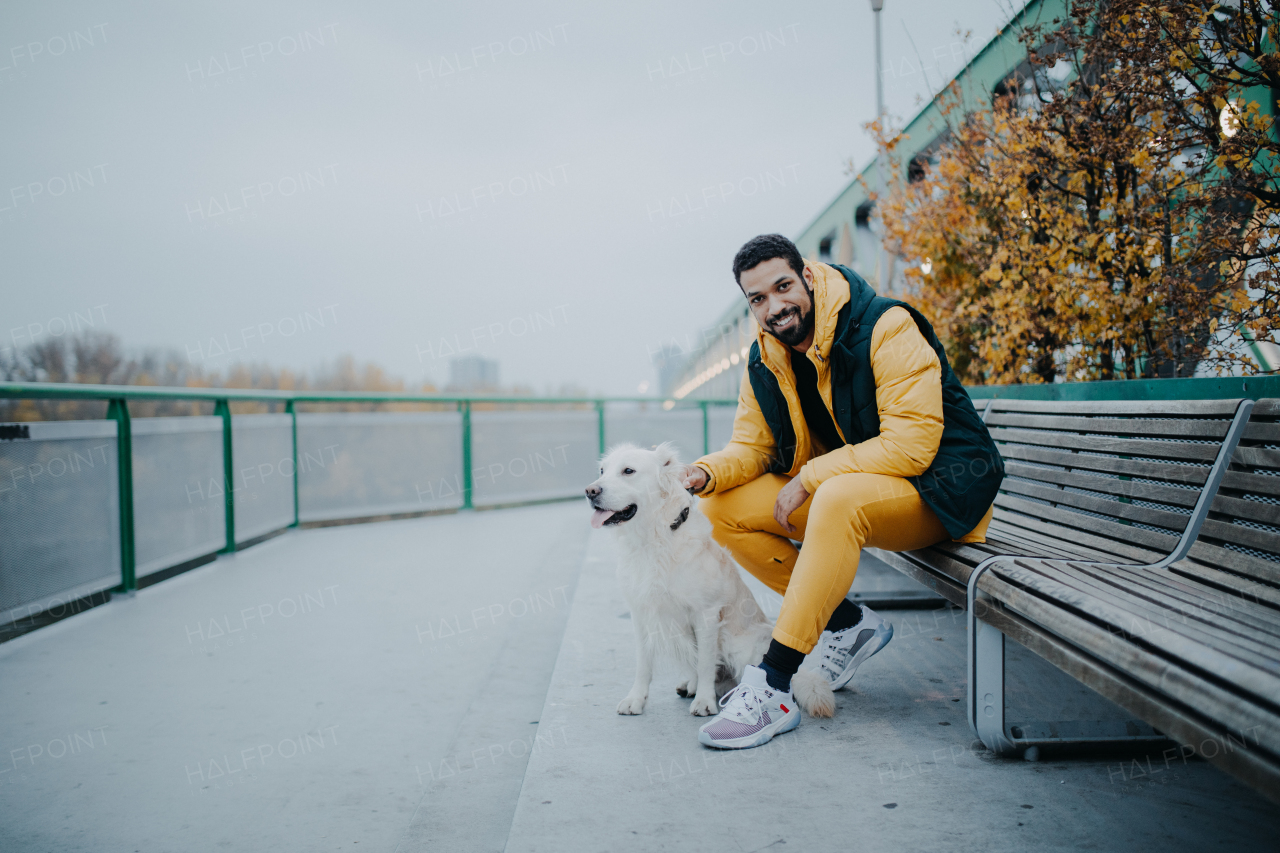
851 431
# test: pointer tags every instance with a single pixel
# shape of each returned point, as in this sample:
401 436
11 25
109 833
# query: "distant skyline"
558 187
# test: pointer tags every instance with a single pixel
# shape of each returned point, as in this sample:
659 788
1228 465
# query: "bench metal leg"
988 689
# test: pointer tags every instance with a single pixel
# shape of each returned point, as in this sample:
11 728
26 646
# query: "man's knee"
715 508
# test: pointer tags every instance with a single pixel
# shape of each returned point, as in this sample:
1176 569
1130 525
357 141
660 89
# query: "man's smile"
785 320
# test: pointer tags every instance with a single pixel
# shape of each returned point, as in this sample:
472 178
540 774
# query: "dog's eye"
628 470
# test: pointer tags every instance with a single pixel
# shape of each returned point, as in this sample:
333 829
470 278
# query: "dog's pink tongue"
599 517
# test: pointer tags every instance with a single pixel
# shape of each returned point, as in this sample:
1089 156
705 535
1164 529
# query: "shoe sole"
760 738
884 633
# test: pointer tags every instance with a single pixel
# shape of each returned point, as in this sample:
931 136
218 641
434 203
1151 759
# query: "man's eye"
628 470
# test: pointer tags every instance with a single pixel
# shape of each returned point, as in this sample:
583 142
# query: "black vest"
961 482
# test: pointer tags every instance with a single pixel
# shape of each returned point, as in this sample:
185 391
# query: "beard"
796 334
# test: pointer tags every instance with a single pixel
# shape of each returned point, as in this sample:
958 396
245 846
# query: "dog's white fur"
687 599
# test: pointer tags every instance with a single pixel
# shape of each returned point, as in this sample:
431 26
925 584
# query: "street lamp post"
882 257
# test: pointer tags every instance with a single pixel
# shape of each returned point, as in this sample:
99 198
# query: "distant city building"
473 373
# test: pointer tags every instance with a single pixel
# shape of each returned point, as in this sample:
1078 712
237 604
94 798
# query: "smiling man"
851 431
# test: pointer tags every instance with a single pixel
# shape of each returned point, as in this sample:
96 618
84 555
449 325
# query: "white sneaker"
752 713
840 654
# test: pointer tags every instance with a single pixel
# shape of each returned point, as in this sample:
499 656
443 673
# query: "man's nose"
593 491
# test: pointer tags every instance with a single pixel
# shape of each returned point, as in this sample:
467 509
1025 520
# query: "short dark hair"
757 250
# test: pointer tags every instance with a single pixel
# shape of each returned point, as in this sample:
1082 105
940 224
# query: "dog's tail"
813 693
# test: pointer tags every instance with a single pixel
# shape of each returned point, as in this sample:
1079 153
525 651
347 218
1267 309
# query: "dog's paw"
632 705
704 706
687 688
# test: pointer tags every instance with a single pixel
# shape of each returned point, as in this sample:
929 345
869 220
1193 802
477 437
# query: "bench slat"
1163 542
1101 444
1168 678
1251 567
1123 488
1262 431
1229 634
1175 408
1258 484
1198 595
1210 661
1089 546
1251 510
1191 475
1141 427
1238 534
1114 509
1257 457
1212 575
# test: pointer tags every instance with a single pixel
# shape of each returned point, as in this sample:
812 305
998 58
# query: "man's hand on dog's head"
694 479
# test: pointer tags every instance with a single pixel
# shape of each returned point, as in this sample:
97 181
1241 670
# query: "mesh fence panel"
359 464
648 425
526 456
59 515
262 450
178 491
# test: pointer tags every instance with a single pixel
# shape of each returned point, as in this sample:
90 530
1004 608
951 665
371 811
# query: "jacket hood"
830 294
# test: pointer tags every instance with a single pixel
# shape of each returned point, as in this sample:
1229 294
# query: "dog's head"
635 483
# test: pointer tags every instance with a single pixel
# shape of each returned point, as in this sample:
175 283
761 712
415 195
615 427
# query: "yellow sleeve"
909 400
748 453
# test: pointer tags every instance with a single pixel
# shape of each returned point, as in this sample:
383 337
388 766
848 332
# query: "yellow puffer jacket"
908 397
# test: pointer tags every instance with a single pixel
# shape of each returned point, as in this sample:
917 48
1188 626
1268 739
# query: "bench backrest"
1124 474
1239 546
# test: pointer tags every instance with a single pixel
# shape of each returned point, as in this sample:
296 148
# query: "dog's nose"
593 491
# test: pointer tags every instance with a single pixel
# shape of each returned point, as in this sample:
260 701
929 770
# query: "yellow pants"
848 512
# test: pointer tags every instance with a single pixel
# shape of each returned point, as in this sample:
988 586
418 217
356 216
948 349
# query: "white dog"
686 596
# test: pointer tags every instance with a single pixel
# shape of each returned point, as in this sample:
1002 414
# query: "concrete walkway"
895 769
449 683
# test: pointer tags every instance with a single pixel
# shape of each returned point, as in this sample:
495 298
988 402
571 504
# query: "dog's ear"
670 471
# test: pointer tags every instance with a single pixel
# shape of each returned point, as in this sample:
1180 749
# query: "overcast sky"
560 186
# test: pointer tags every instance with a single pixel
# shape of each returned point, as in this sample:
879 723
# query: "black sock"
847 615
779 664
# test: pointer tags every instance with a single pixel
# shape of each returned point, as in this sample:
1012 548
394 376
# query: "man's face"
780 300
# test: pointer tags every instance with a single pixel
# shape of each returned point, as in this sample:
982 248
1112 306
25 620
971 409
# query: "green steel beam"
222 409
118 411
465 408
293 416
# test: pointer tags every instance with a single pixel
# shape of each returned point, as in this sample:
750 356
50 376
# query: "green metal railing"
118 397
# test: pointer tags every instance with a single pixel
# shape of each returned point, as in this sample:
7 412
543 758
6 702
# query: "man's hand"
792 496
695 479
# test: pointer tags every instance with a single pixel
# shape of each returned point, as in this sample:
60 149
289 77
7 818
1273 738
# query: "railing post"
293 415
600 424
706 432
223 409
118 411
465 407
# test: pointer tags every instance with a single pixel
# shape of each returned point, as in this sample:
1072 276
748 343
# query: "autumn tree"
1079 226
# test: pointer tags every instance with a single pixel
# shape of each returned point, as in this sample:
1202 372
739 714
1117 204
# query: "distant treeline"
92 356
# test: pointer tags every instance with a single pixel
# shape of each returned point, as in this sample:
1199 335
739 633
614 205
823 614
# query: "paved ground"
449 683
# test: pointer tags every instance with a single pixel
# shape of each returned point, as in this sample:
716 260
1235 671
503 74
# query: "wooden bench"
1137 547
